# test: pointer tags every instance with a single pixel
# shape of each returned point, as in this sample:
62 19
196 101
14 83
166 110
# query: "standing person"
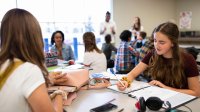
169 66
136 28
63 50
107 49
125 58
108 27
93 57
22 68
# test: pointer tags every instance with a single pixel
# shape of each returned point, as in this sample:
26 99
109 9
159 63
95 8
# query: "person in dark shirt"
107 49
169 66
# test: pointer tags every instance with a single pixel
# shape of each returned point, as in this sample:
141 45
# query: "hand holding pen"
122 87
121 84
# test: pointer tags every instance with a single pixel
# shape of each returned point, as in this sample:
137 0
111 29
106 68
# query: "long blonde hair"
170 73
21 38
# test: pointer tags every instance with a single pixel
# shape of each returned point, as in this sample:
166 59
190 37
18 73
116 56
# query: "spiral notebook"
175 98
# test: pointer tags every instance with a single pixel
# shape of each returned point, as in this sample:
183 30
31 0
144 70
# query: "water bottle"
46 45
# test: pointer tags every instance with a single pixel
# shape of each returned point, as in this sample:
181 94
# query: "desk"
88 99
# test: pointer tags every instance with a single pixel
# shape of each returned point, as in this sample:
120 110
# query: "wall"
154 12
190 5
151 12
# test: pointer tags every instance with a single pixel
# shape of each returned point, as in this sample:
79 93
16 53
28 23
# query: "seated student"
147 47
63 50
23 74
169 66
141 39
107 49
93 56
139 42
125 58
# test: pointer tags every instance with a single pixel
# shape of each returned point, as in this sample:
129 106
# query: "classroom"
97 56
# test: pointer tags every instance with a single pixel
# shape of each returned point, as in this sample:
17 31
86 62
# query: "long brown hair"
21 38
90 42
137 26
170 73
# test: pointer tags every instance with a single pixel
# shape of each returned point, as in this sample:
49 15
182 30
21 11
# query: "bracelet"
126 79
59 92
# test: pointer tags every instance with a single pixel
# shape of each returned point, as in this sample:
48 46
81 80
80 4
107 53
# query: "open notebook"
175 98
136 85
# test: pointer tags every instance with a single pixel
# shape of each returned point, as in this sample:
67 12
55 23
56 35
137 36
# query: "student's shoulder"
187 56
66 46
28 65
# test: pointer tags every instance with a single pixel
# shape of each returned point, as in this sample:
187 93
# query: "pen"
112 71
110 101
121 110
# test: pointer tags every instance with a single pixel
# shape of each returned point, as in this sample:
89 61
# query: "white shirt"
135 32
19 86
96 61
108 25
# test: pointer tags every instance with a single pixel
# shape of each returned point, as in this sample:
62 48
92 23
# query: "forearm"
130 76
186 91
137 70
58 103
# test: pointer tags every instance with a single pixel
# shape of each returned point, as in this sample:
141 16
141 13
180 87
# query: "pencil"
112 71
121 110
120 81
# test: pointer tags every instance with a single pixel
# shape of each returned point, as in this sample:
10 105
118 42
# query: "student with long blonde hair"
22 70
169 66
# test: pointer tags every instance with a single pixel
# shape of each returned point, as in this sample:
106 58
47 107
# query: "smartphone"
104 108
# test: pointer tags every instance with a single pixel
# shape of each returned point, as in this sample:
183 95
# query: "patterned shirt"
146 48
125 57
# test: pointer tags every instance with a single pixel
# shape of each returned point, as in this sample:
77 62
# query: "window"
73 17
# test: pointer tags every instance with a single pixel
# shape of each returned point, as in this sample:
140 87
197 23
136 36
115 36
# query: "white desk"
88 99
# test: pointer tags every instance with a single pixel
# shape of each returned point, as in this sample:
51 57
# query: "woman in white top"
136 28
93 57
22 87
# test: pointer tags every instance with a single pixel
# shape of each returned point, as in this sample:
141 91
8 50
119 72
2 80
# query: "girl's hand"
157 83
121 87
58 77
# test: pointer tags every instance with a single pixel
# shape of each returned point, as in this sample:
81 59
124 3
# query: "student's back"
107 49
93 57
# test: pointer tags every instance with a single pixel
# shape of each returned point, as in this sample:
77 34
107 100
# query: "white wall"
194 7
152 13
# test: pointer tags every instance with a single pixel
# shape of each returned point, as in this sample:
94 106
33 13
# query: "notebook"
136 85
175 98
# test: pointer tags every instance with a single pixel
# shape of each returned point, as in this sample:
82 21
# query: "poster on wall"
185 19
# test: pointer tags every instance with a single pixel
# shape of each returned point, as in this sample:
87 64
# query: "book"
135 85
175 98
